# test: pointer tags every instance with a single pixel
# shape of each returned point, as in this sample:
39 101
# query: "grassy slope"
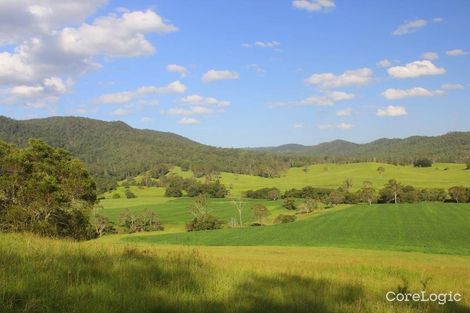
333 175
42 275
428 227
174 212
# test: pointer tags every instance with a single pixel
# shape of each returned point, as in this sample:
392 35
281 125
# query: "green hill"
115 150
451 147
424 227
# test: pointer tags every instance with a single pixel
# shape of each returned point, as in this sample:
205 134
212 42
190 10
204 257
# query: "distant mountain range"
451 147
114 150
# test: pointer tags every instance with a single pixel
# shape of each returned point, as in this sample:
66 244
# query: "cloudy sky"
242 73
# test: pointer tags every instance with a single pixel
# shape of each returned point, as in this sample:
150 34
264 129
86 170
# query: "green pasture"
426 227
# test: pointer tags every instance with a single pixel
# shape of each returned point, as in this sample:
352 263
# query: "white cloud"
328 99
298 125
314 5
200 100
214 75
121 112
146 119
118 97
23 19
392 111
258 69
430 56
409 27
394 94
344 112
188 121
175 68
40 95
456 52
174 87
48 54
416 69
384 63
128 96
452 86
336 126
115 36
357 77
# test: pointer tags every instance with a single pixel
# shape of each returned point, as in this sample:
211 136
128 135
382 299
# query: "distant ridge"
450 147
114 150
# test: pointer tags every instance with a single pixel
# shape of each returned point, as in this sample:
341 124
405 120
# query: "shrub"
116 196
264 193
289 203
145 221
260 212
204 222
284 218
422 163
129 194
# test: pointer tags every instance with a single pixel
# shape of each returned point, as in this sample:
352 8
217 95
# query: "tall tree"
45 191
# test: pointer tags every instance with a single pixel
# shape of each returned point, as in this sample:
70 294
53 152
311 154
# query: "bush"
116 196
146 221
260 212
173 191
129 194
289 203
204 222
284 218
422 163
263 193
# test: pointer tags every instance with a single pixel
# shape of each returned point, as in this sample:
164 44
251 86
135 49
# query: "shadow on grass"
137 280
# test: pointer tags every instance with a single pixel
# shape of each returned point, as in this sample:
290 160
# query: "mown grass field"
440 175
43 275
426 227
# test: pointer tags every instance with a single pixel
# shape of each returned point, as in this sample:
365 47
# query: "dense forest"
451 147
114 150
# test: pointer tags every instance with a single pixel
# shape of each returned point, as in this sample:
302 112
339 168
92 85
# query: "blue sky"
242 73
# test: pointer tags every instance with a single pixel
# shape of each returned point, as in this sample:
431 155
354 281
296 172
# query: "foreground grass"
425 227
40 275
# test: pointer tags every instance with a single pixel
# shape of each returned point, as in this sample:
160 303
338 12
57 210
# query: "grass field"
43 275
440 175
426 227
174 212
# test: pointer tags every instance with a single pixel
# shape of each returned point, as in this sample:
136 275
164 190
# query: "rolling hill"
114 150
451 147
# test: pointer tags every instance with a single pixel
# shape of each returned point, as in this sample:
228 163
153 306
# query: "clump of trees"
45 191
202 220
422 163
135 222
176 186
264 193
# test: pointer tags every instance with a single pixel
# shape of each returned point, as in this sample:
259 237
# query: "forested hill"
115 150
451 147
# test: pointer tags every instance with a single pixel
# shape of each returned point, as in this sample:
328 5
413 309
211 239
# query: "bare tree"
239 206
